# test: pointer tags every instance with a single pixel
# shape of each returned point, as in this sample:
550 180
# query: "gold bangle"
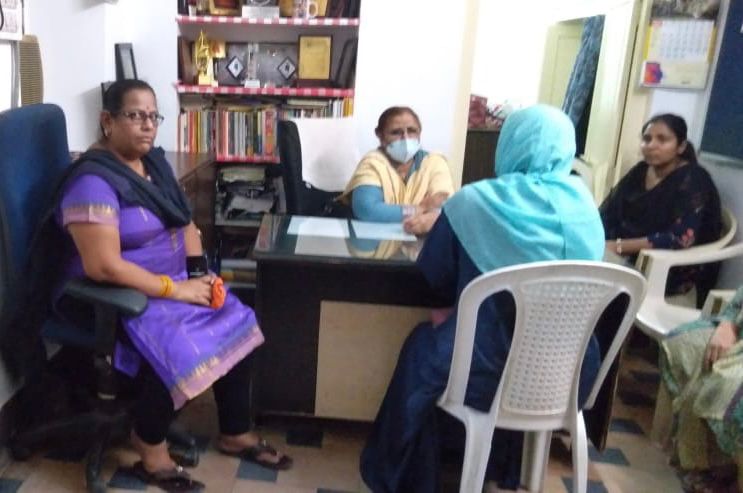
167 286
618 248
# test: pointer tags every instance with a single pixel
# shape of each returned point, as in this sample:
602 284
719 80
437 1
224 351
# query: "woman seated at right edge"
665 201
534 210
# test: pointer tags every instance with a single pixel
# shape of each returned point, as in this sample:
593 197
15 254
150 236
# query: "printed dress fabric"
188 346
707 404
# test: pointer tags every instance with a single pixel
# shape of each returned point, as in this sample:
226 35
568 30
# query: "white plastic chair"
656 316
645 260
558 304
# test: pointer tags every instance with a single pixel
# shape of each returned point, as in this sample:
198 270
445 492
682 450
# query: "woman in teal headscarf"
534 210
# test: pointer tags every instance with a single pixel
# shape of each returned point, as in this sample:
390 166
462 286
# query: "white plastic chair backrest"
330 151
558 304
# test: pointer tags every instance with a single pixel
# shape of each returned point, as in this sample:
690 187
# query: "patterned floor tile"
608 456
125 480
242 486
326 456
9 485
623 425
591 487
251 470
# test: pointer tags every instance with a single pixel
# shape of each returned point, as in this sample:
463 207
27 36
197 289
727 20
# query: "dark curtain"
577 104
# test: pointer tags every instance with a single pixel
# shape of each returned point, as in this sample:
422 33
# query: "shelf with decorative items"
314 92
243 65
240 74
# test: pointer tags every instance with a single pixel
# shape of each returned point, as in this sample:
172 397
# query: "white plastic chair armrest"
659 261
716 300
693 257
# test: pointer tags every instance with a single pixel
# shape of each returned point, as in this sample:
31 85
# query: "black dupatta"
21 347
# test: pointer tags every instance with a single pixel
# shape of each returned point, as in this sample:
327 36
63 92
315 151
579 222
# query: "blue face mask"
403 150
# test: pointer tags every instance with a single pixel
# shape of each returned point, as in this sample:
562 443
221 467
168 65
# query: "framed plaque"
124 57
314 55
225 7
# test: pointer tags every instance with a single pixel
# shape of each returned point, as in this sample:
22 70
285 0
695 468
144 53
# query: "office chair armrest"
126 301
109 303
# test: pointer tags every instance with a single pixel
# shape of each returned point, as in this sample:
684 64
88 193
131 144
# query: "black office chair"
301 197
35 153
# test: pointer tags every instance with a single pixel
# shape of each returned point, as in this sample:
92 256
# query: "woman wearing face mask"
399 181
667 200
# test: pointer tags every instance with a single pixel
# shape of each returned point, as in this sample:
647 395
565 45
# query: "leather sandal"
174 480
253 454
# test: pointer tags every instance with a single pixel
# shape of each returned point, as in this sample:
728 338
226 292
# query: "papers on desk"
318 226
381 231
338 228
321 247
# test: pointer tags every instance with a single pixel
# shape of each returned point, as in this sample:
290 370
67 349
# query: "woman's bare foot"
266 455
155 458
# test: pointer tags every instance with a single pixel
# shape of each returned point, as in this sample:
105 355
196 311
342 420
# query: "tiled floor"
326 455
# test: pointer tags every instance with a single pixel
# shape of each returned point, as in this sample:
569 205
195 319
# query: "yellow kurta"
433 176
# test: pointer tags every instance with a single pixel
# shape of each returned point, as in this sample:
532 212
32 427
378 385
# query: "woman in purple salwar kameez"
129 224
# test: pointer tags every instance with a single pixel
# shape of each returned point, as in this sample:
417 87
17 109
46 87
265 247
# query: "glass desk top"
333 240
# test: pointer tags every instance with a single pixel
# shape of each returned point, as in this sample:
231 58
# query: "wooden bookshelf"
247 159
281 21
311 92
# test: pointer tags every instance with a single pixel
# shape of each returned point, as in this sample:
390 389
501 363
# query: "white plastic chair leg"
534 459
580 456
476 455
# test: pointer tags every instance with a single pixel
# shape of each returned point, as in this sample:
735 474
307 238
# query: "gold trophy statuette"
203 61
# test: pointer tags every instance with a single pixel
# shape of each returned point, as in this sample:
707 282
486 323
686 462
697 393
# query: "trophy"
202 56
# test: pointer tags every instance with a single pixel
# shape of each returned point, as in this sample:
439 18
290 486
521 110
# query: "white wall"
509 50
5 75
77 38
408 58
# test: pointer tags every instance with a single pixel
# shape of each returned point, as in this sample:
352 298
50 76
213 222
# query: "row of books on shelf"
248 132
239 132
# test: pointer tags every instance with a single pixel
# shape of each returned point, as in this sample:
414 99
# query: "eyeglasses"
140 116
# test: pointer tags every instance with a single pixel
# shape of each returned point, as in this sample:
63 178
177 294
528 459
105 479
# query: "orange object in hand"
218 293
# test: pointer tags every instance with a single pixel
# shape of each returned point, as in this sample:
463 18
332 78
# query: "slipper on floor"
253 454
175 480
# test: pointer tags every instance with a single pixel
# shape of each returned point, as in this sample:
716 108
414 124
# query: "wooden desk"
310 361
